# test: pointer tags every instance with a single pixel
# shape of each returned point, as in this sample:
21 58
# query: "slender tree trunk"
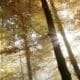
27 55
52 33
72 58
26 48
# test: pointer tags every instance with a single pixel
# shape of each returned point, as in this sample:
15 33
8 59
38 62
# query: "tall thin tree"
52 33
26 48
25 29
60 27
15 8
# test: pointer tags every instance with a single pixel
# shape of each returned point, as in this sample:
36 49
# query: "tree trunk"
52 33
26 48
72 58
27 55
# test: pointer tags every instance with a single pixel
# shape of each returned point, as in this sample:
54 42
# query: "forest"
39 39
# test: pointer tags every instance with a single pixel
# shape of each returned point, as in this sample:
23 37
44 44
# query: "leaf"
39 24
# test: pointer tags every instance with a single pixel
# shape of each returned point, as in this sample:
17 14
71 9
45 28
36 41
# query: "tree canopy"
27 48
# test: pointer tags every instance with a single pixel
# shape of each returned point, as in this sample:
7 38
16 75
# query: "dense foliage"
26 50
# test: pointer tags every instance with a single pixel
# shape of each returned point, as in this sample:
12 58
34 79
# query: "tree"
52 33
18 8
60 27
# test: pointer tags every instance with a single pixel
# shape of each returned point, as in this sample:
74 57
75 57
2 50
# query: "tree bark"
26 48
52 33
27 55
71 56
